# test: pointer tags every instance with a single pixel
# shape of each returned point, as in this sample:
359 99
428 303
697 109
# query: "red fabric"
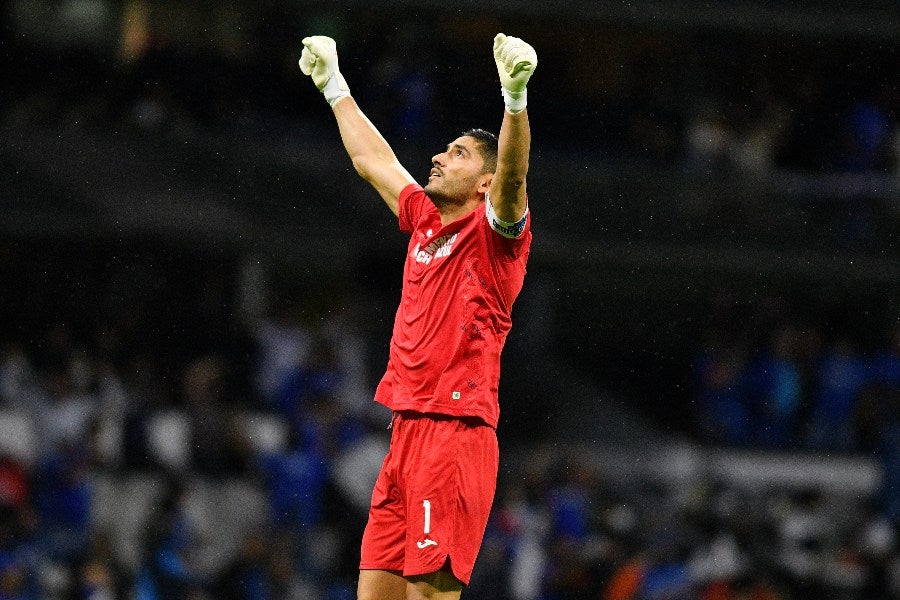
449 463
459 284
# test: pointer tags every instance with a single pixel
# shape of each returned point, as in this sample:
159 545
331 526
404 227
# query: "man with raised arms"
470 235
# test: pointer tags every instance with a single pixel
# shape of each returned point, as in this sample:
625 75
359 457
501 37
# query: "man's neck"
452 212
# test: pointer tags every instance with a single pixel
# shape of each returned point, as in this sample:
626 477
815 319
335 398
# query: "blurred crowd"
233 464
776 377
561 532
229 452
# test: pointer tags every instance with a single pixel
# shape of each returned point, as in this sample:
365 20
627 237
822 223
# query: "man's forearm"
514 145
372 156
361 138
508 187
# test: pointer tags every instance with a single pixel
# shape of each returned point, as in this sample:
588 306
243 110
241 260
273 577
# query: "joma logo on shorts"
426 543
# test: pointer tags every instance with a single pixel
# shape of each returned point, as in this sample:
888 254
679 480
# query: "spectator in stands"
721 409
96 582
570 558
667 576
63 501
283 343
219 447
169 568
18 558
874 542
15 484
145 394
775 390
716 561
842 373
16 375
627 580
287 581
99 575
295 481
804 532
66 416
247 577
318 374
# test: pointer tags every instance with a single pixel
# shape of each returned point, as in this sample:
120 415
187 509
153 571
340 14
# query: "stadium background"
699 396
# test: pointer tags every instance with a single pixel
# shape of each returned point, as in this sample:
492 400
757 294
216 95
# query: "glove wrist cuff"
515 101
335 88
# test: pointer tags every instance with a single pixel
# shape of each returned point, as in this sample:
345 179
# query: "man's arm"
516 61
372 157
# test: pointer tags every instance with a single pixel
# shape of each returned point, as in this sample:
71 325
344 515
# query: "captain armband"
507 230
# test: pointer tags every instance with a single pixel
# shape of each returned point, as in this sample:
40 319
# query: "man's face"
456 173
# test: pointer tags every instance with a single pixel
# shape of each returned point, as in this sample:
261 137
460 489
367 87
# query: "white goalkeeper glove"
516 61
319 60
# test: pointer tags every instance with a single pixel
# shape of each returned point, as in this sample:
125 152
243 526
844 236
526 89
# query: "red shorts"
433 496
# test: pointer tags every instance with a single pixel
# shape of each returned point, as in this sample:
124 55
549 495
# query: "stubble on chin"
437 197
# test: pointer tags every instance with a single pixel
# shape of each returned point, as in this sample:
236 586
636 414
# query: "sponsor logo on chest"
438 248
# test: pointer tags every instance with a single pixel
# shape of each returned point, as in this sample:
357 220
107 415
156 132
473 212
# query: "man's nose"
437 160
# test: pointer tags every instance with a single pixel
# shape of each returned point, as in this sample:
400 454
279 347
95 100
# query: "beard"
447 192
438 197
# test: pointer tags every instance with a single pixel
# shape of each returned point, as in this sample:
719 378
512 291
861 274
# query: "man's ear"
484 183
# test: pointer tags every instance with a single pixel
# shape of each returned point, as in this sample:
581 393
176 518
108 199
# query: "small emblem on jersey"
457 395
426 543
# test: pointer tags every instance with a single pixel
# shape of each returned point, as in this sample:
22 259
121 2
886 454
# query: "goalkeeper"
470 234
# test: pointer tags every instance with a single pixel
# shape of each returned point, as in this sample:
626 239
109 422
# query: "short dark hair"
487 146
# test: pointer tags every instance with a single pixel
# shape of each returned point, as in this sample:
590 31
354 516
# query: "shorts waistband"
410 415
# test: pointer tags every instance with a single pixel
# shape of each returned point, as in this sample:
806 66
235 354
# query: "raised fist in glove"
516 61
320 61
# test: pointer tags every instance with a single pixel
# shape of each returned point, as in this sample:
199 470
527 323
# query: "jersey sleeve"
411 200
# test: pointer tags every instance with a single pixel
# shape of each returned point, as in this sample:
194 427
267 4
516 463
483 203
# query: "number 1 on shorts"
426 504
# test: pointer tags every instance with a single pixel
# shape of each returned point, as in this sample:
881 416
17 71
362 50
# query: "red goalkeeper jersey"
459 284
